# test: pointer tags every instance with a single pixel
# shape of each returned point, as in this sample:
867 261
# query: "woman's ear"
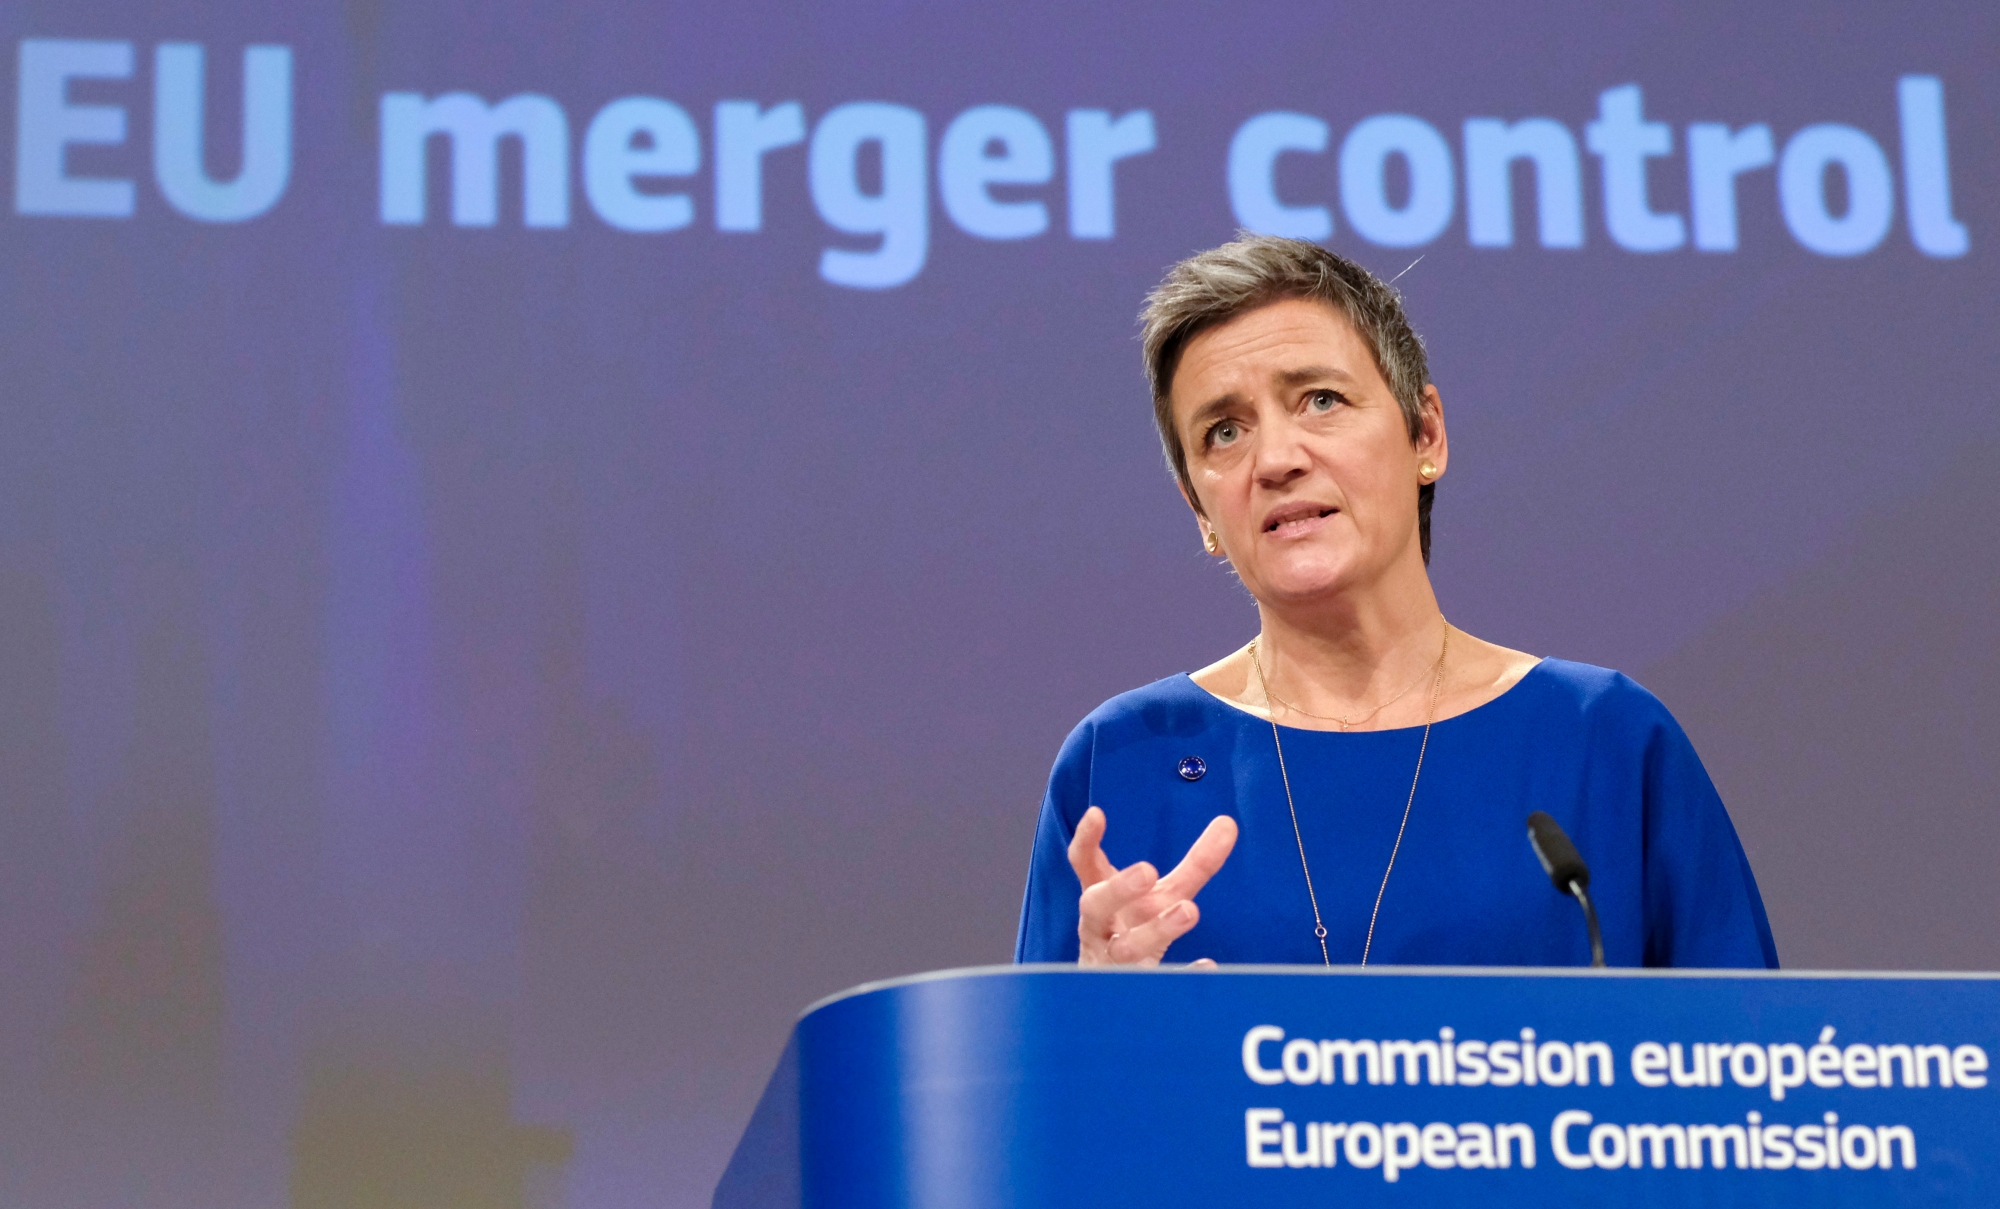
1188 499
1209 541
1432 445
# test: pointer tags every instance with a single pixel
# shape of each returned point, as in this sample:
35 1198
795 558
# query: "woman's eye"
1322 401
1224 433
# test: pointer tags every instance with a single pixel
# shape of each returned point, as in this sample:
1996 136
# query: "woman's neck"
1340 656
1331 663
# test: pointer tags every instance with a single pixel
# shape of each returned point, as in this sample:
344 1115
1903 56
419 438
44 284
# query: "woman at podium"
1350 786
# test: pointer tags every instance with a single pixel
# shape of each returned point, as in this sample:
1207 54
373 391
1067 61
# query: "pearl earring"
1427 471
1211 542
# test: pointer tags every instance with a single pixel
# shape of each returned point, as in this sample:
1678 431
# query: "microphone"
1566 869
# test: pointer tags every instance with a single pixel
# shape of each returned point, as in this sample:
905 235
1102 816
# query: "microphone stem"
1590 921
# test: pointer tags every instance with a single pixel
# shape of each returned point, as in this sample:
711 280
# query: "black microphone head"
1559 857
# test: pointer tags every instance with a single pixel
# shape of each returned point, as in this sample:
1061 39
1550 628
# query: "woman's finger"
1113 906
1086 855
1210 849
1101 905
1130 916
1147 943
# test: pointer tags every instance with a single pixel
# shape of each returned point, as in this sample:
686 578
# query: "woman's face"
1300 457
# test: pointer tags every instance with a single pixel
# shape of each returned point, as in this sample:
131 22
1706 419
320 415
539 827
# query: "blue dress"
1591 747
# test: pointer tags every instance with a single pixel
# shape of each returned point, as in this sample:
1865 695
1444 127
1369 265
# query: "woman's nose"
1281 455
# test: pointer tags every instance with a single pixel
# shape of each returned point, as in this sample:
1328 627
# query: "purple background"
463 691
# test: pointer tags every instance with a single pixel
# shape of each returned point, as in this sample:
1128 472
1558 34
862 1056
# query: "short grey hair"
1214 287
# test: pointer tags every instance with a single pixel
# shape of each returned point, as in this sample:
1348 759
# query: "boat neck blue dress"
1591 747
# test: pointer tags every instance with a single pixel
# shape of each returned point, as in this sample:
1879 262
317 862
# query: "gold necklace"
1345 723
1319 925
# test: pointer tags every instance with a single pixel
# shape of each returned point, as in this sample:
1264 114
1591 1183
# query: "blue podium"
1053 1086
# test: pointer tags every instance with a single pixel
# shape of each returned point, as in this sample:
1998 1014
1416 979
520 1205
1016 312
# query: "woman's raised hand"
1129 916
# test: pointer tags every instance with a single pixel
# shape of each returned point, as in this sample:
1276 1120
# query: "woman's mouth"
1297 520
